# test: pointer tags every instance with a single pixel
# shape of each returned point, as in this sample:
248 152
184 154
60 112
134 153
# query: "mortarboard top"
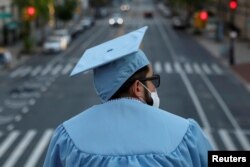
110 51
113 62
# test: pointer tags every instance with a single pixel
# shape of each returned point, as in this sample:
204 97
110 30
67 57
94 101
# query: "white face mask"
154 96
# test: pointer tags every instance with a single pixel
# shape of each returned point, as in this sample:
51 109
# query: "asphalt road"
38 95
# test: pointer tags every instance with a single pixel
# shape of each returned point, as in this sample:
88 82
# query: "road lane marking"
56 69
67 69
39 149
8 142
15 155
197 68
168 67
36 71
47 69
206 69
243 139
21 72
25 110
186 81
157 67
217 69
211 139
227 140
26 71
17 72
188 68
18 118
177 67
240 135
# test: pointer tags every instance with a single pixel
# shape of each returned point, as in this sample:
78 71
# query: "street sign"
5 15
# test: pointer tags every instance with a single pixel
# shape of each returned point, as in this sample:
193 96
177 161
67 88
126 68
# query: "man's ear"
136 89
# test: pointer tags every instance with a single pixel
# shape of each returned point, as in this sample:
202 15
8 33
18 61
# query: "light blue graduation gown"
127 133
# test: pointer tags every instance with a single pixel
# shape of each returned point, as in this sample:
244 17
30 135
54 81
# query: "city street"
38 95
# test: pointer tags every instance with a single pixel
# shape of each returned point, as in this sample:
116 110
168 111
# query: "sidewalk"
242 56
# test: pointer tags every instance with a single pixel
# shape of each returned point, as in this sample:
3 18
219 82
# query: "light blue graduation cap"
113 62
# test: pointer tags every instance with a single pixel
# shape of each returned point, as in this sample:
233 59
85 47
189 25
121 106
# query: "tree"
65 11
188 6
41 15
99 3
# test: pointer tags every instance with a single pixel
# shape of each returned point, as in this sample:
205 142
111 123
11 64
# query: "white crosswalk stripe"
217 69
26 71
188 68
159 67
177 67
57 69
8 142
211 139
36 71
39 149
16 72
21 71
67 69
206 69
15 155
168 68
243 139
197 68
40 143
46 70
227 140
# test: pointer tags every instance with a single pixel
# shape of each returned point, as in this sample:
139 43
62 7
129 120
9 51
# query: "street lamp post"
233 35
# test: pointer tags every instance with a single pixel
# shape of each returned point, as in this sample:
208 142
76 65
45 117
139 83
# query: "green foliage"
66 10
42 13
40 5
193 3
99 3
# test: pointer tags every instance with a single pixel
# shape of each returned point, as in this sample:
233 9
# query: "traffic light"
233 4
31 11
203 15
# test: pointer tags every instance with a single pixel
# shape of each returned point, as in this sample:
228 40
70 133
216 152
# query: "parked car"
87 22
125 7
180 22
116 20
148 14
63 34
54 44
76 30
101 12
5 58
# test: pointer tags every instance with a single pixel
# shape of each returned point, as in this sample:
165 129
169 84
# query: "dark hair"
141 73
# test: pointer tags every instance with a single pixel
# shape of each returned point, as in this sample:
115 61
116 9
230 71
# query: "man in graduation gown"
127 129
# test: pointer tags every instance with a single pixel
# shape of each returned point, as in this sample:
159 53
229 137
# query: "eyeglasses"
155 79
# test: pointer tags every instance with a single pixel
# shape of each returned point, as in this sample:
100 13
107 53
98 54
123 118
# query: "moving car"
116 20
148 14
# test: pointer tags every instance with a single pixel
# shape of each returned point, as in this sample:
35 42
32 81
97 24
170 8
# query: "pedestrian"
127 129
